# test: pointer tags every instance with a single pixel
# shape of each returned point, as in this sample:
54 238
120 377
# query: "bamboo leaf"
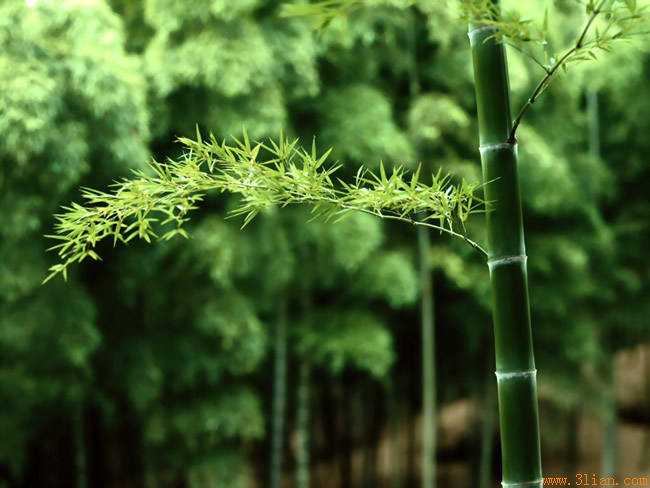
138 207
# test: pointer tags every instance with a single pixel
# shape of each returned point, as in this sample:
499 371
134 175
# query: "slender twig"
544 82
530 56
376 213
419 223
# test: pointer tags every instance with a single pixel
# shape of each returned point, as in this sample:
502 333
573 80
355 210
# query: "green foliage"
64 60
233 415
466 276
391 277
433 115
66 77
241 47
172 15
164 335
45 356
73 102
351 243
321 12
291 176
354 338
238 334
243 60
358 123
215 251
608 22
324 11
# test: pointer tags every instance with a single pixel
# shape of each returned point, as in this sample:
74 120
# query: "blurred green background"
159 366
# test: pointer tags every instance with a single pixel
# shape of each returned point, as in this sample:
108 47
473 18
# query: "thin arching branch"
155 205
545 81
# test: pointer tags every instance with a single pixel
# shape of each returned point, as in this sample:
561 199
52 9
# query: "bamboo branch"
550 72
160 200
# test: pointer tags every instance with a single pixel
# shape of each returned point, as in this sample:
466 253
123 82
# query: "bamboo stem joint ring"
508 375
478 30
524 484
499 146
506 260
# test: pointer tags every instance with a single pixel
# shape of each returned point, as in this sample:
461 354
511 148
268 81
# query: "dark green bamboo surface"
515 364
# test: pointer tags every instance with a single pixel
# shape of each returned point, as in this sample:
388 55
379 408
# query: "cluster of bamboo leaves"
290 175
155 204
63 318
607 22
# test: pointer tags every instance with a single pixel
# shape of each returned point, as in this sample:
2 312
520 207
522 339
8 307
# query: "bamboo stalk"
80 447
303 400
278 413
395 421
644 458
515 364
427 323
302 426
609 452
428 364
594 123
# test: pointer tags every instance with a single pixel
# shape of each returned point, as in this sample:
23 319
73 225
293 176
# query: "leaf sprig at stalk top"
608 21
621 21
155 204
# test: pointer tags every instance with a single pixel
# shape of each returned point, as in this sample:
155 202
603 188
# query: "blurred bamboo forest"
290 353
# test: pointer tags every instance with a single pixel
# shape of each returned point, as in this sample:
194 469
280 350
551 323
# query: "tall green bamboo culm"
609 452
610 423
644 458
302 425
278 413
515 363
426 308
303 392
395 411
80 447
428 364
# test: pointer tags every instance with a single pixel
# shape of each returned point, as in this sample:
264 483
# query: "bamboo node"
499 146
506 260
524 484
508 375
479 30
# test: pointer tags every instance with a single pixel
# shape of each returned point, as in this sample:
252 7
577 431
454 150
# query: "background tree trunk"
644 459
80 447
278 413
302 424
346 429
428 364
395 409
609 454
487 435
428 461
610 421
